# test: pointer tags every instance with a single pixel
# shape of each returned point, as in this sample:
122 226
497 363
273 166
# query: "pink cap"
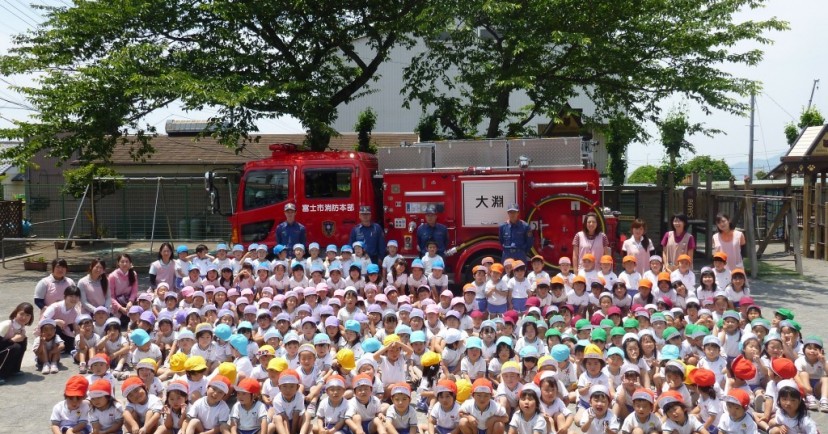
188 291
446 293
433 308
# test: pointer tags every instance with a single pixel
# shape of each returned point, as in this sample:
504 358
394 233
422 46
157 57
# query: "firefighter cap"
290 207
513 207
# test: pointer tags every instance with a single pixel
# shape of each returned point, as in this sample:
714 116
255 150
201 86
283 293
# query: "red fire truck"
469 183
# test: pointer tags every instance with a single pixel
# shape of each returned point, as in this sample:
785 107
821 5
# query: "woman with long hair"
677 242
589 240
163 269
95 288
123 285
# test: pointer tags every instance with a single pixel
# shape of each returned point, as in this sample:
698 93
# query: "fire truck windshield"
328 183
265 187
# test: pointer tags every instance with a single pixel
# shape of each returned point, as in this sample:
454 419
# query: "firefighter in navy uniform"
431 230
290 232
515 237
371 235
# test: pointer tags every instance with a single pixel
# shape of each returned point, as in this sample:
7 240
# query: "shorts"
442 430
482 304
327 426
753 388
65 426
583 404
519 304
249 431
713 430
814 383
497 309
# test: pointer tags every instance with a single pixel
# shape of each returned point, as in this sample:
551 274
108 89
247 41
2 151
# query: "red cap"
76 385
249 385
477 314
596 318
614 310
738 396
446 386
703 377
743 369
482 385
667 302
746 301
533 302
784 368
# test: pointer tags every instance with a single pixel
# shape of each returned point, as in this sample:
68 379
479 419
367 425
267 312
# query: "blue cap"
223 332
560 353
669 352
244 325
392 243
194 267
317 268
299 246
278 249
402 329
221 246
335 266
347 248
238 248
331 248
417 263
615 351
505 340
353 326
272 333
239 342
372 269
476 342
437 265
371 345
417 337
528 351
181 249
139 337
296 263
714 340
312 246
321 339
358 244
252 247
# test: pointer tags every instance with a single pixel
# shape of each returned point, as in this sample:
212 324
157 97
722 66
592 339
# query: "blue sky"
787 72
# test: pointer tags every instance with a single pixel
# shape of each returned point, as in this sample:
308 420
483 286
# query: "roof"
183 150
6 165
806 141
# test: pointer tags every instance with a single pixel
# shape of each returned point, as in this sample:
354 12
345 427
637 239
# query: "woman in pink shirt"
677 242
95 288
123 285
65 313
50 289
729 241
589 240
639 245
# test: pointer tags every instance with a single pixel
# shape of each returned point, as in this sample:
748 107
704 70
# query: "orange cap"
607 259
600 280
537 258
557 279
645 283
738 271
588 257
684 258
579 279
478 268
720 255
630 258
664 276
497 268
517 264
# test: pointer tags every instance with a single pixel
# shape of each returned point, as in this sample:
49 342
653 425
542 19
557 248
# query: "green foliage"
76 181
104 65
807 118
366 122
674 130
702 164
761 174
644 175
625 56
620 131
428 129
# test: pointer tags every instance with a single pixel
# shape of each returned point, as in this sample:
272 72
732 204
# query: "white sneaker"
811 403
55 369
46 369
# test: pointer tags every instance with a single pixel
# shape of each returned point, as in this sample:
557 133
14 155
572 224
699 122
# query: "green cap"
785 313
582 324
541 323
607 324
796 325
658 316
630 323
670 333
617 331
553 332
761 322
598 335
813 340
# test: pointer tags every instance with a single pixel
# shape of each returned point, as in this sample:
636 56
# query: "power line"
793 118
26 9
17 16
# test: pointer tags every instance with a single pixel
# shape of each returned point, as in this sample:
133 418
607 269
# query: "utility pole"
813 88
750 146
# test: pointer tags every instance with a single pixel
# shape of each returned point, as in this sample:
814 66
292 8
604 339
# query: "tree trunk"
318 137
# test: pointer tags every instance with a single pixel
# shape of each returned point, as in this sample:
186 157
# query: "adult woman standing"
729 241
49 289
589 240
677 242
95 288
123 285
639 245
163 269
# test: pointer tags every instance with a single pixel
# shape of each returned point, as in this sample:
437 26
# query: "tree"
644 175
702 164
625 56
107 64
761 174
807 118
96 182
366 122
620 131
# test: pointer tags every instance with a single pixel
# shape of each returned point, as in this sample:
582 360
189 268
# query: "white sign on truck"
485 202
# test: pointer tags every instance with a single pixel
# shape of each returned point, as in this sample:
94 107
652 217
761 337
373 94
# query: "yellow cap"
430 358
267 349
593 352
688 369
195 363
147 363
390 339
178 362
277 364
464 389
228 370
345 358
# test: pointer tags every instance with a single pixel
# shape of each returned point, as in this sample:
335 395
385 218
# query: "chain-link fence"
128 213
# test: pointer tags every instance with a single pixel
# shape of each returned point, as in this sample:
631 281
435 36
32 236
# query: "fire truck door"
329 202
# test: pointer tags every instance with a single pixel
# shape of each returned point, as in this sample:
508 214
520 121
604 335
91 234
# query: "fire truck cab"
469 184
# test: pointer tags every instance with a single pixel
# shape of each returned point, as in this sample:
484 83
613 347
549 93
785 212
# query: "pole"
75 221
813 88
750 146
155 213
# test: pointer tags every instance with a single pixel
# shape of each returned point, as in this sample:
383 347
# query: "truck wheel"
476 259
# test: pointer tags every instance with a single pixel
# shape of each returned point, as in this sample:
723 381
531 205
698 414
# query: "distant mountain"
740 168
